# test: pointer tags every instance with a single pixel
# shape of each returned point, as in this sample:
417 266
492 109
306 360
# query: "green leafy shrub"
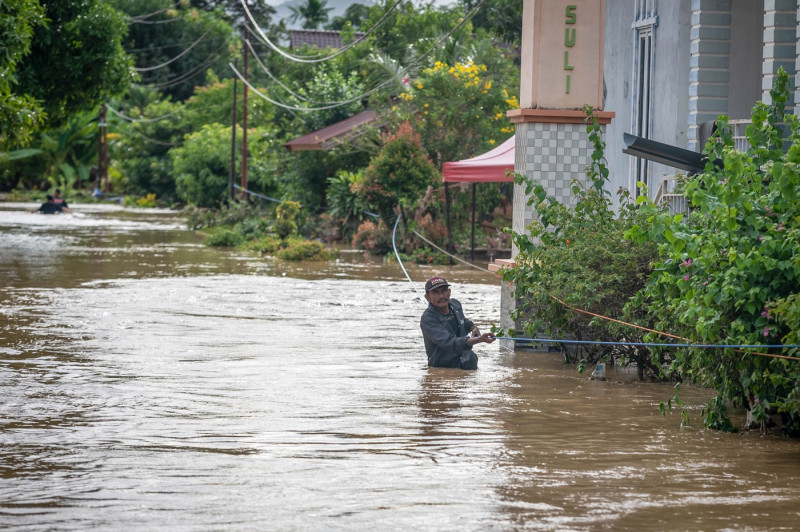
201 166
344 202
299 249
265 245
223 237
398 176
578 256
426 255
728 273
286 218
373 238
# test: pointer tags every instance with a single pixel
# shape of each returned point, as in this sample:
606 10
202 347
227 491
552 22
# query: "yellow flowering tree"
458 110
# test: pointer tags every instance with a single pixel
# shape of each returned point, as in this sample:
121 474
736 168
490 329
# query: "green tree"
313 13
19 112
459 110
728 272
398 176
356 15
502 18
200 167
141 150
76 61
175 46
233 12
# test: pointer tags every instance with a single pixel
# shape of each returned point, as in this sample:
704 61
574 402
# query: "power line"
311 59
187 75
186 51
402 72
138 120
272 77
148 15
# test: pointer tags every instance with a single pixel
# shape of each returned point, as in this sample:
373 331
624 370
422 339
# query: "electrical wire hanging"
400 262
148 15
138 120
187 75
271 76
312 59
186 51
371 91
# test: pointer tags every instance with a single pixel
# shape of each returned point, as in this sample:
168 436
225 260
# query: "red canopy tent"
487 167
491 166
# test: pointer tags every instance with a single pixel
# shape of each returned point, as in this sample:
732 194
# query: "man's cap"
435 282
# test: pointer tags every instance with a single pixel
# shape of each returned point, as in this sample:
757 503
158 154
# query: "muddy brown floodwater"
150 383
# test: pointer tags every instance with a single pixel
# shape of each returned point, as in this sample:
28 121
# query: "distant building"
319 38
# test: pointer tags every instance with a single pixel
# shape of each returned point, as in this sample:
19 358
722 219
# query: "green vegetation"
726 273
162 69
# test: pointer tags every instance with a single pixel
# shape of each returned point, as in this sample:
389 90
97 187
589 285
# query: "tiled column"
553 148
709 64
780 44
552 154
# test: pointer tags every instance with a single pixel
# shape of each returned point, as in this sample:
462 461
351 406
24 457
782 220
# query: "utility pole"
244 116
232 172
102 150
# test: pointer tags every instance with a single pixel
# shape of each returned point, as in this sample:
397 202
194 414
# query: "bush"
728 272
224 237
373 238
285 218
399 175
426 255
201 166
298 249
265 245
578 256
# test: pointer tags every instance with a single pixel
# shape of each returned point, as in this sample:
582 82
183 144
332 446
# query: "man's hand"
486 338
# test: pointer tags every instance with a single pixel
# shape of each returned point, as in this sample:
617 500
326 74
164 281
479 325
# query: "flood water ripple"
148 383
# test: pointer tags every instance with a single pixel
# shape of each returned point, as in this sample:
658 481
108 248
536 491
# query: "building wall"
747 20
669 85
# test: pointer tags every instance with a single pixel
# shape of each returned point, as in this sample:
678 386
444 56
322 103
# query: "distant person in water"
58 200
51 207
97 193
449 336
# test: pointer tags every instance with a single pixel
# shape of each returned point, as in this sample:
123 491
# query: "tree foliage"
459 110
76 60
728 273
398 175
20 114
174 45
575 255
312 13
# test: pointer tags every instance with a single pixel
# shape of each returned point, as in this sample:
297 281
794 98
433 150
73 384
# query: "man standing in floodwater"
51 207
449 336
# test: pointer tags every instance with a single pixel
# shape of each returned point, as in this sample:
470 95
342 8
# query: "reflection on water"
148 382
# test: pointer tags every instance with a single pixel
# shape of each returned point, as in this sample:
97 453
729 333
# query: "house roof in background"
318 38
333 135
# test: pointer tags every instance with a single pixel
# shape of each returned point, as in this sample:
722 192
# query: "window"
644 26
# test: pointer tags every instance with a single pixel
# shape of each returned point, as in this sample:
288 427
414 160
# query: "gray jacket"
444 349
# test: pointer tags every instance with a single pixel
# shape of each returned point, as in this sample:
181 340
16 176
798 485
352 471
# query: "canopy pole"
472 249
447 217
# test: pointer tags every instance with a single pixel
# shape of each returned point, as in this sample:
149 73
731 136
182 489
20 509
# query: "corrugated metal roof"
331 136
318 38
